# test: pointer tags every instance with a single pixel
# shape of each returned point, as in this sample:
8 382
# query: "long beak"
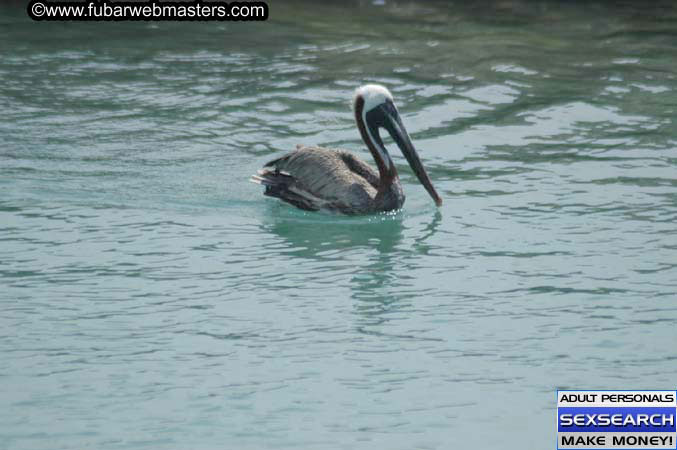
399 134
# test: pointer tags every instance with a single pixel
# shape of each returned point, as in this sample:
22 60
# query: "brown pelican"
314 178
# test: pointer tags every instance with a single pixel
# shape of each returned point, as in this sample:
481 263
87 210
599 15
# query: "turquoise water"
153 298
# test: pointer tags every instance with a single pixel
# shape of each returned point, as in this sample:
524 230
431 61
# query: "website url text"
106 10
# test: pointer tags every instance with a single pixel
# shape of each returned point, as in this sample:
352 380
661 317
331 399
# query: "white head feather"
373 95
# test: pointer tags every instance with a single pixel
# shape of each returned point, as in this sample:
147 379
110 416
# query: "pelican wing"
314 178
360 167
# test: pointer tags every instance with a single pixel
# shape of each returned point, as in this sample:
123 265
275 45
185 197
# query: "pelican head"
375 109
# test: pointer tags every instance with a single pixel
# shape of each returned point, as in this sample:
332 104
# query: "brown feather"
325 179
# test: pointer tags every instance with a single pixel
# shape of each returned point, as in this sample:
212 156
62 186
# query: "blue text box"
665 413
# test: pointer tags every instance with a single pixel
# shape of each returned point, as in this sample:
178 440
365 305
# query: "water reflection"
422 245
383 287
379 283
321 235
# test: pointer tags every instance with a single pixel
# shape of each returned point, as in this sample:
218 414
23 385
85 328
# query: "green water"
152 298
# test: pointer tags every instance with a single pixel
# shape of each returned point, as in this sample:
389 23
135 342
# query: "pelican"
315 178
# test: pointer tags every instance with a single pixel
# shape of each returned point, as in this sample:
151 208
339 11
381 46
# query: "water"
153 298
